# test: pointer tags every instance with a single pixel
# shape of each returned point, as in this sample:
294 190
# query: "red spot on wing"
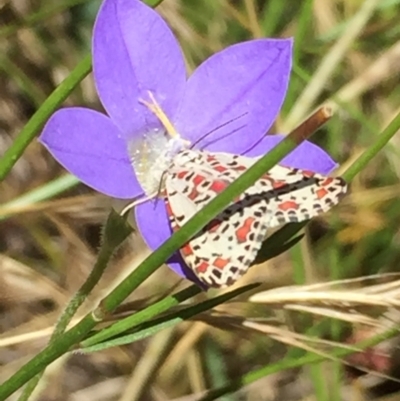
181 174
202 267
288 205
220 168
327 181
194 194
220 263
168 208
243 231
186 250
307 173
218 186
278 184
321 193
198 179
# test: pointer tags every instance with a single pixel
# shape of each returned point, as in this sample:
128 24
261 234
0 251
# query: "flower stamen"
155 108
153 152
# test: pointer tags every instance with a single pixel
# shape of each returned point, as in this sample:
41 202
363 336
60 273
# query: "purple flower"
227 104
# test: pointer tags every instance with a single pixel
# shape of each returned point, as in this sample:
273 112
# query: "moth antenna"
216 128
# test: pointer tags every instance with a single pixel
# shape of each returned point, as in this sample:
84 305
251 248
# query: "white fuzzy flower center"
151 156
152 153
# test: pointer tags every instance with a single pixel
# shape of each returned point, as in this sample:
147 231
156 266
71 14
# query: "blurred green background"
347 53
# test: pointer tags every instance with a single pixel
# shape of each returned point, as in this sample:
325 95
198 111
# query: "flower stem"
147 267
36 122
42 193
166 321
116 231
289 230
291 363
143 315
383 138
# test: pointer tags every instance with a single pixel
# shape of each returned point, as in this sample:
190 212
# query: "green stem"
141 316
146 268
150 328
44 192
36 122
383 138
291 363
115 234
289 230
39 118
77 333
116 231
195 224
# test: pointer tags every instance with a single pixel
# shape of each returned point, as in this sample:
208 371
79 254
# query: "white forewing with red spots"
226 247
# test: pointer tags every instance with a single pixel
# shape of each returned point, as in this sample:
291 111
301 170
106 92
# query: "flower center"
152 153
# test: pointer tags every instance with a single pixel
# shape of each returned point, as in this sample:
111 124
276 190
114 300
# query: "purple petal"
89 145
134 52
233 98
153 224
306 156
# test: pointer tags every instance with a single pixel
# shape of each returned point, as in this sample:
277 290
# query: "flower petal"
89 145
233 98
153 224
134 52
306 156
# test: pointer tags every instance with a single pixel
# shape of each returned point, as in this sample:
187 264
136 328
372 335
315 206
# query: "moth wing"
225 248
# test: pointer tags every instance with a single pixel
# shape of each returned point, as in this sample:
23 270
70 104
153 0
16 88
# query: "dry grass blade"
323 294
346 51
297 340
95 207
386 66
148 365
329 64
301 341
351 317
339 298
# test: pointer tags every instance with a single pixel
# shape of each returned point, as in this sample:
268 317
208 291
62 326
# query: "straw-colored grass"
347 55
